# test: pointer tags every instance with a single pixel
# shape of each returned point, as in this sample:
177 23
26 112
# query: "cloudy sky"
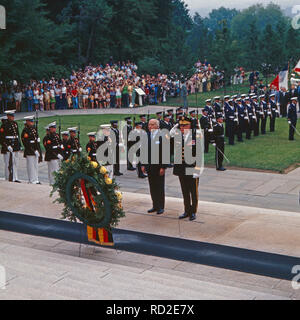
204 6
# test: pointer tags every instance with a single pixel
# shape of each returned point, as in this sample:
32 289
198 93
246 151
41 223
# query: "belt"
74 151
11 137
55 147
94 154
32 141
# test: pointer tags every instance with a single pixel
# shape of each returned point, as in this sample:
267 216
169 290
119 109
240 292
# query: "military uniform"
292 118
205 126
116 132
264 110
274 111
91 149
129 129
74 143
241 123
10 148
66 145
256 111
219 140
54 153
229 118
248 120
32 151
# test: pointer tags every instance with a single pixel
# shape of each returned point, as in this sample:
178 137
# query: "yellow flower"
108 181
103 170
120 206
94 164
119 195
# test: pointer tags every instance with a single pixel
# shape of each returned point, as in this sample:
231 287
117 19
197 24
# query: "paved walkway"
254 189
40 268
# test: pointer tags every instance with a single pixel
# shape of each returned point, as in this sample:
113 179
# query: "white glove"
10 149
38 140
60 157
37 154
173 131
80 149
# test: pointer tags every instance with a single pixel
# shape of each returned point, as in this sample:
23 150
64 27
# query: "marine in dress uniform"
264 116
54 151
292 117
11 146
138 128
144 122
241 118
92 146
171 115
194 119
219 141
256 112
66 145
74 142
274 113
217 107
32 150
229 118
248 118
206 126
129 129
189 183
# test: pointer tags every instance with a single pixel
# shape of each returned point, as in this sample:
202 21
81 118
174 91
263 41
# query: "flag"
282 79
297 68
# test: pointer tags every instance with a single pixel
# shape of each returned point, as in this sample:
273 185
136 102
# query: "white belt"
231 117
32 141
11 137
55 147
94 154
74 151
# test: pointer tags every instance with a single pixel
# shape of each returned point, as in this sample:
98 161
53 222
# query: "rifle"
37 136
59 129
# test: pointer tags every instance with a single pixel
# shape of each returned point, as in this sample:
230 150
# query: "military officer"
144 122
159 117
66 145
229 118
92 146
171 115
32 149
194 120
141 174
241 119
217 107
219 142
189 183
248 118
129 129
209 109
165 123
292 117
11 146
54 151
74 142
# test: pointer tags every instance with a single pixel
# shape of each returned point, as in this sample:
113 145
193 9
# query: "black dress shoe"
131 169
17 181
152 210
143 176
221 169
193 217
118 174
183 216
160 211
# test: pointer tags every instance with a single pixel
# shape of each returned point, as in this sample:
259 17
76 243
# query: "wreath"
88 194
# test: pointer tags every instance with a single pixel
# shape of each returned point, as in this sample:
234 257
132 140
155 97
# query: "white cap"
217 98
105 126
227 97
65 133
72 129
294 98
10 112
30 118
92 134
52 125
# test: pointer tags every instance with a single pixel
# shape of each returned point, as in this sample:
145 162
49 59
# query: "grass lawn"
270 152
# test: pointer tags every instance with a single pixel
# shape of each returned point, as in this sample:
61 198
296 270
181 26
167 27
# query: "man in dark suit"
283 101
292 117
155 171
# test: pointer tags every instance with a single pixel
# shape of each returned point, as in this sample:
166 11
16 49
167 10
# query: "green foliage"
92 218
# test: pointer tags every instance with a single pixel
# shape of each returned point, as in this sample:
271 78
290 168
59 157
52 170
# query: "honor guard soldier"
32 149
256 111
115 130
66 145
189 183
206 126
274 112
129 129
241 119
144 122
106 139
264 111
11 146
217 107
219 142
165 123
159 117
225 103
243 96
229 119
209 109
3 119
171 115
92 146
54 151
248 118
74 142
292 117
194 119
